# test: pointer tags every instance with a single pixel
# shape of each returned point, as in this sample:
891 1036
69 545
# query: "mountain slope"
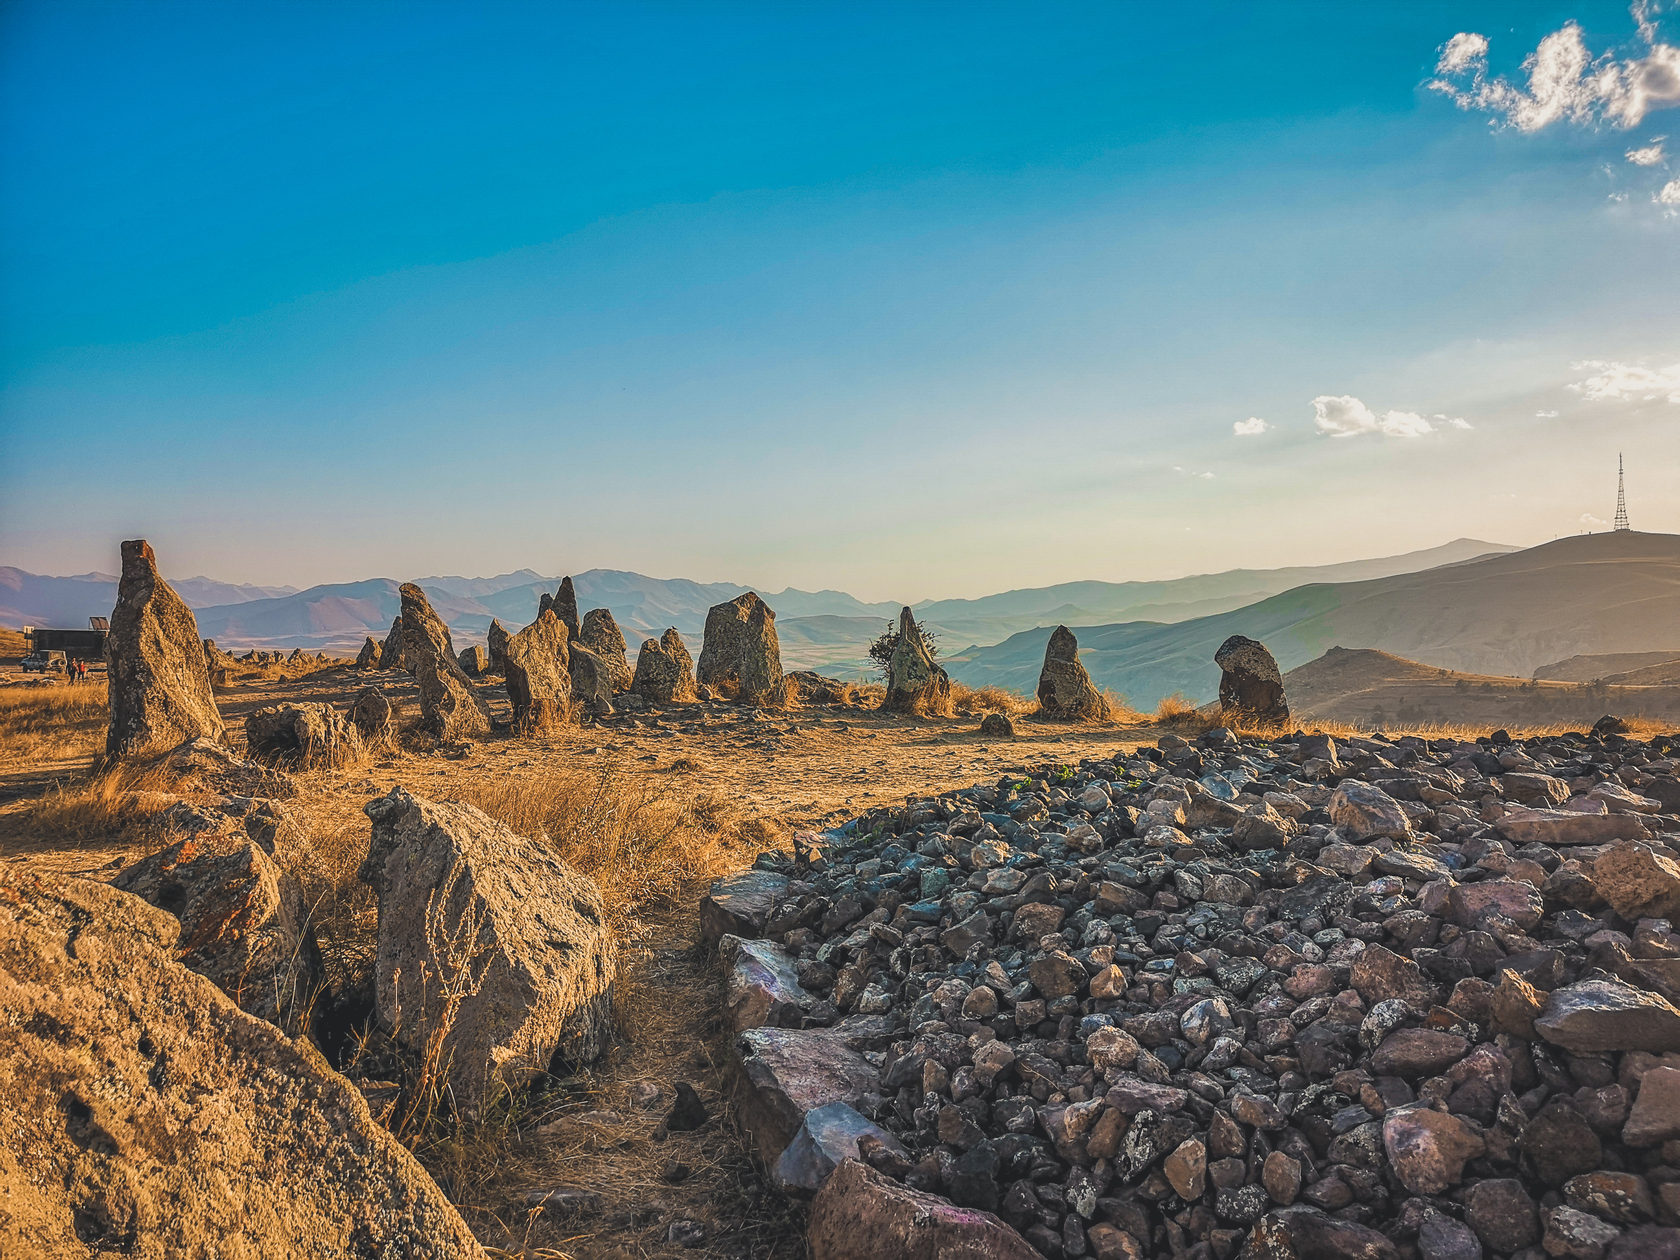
1504 614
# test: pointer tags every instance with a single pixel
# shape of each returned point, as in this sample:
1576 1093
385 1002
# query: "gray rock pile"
1065 689
1250 686
664 670
740 655
1301 997
160 683
449 706
601 635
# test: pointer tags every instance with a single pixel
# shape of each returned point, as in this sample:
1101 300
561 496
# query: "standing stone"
1065 690
566 608
591 682
302 736
368 657
496 641
488 940
391 651
535 663
375 717
741 653
449 706
474 661
146 1115
160 685
601 635
664 670
1250 687
915 682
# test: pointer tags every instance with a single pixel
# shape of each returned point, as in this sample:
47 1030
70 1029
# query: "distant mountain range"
827 630
1504 614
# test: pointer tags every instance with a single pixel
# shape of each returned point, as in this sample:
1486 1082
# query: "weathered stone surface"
1516 900
1065 690
591 680
785 1073
536 666
1655 1115
1365 811
142 1113
475 916
916 683
601 635
1563 826
829 1136
1638 883
474 661
368 657
740 905
376 717
1303 1233
997 726
302 736
664 670
391 648
244 924
159 683
1250 686
760 986
495 642
862 1215
1428 1149
1502 1214
740 654
566 608
1595 1015
450 707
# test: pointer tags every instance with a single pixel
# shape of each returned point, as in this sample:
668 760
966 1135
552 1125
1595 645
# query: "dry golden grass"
647 842
48 721
102 805
990 699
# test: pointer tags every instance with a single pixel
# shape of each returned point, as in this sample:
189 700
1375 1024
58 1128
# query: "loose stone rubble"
916 683
740 654
1302 997
1065 689
1250 686
160 683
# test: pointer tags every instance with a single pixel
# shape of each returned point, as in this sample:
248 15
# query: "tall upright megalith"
160 684
1065 689
916 683
741 653
450 708
1250 686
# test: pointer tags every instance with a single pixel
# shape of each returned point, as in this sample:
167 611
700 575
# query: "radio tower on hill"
1621 498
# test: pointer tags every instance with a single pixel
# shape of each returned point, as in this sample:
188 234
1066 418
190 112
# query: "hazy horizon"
836 297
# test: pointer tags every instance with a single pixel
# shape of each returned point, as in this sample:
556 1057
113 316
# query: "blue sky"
851 296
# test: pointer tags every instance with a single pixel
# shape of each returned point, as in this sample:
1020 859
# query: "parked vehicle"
42 661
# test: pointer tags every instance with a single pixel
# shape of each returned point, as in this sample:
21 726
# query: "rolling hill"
1369 688
1505 614
1605 665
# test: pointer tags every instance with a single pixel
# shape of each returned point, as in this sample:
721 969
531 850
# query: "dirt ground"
641 1191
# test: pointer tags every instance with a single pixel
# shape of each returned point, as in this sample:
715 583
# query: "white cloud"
1546 415
1650 155
1631 382
1566 83
1343 415
1205 476
1254 426
1593 522
1669 194
1458 422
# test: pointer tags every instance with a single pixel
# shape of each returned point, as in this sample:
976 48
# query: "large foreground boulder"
244 923
535 663
160 684
916 683
488 942
1250 686
664 670
302 736
740 654
449 706
601 635
1065 689
143 1114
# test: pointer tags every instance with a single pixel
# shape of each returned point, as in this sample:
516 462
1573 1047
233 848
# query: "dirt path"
632 1188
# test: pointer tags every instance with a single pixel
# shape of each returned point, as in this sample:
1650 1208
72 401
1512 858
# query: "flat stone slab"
1563 826
740 905
786 1073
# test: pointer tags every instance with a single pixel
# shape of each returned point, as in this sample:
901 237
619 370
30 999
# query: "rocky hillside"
1505 614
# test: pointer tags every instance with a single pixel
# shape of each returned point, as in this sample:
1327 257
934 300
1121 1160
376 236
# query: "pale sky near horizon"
831 295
